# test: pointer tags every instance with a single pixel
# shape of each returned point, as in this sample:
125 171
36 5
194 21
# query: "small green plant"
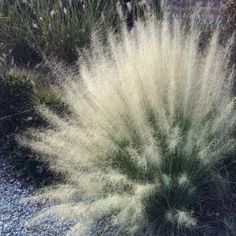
151 121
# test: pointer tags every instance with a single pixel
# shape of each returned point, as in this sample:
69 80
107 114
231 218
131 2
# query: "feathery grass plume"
151 119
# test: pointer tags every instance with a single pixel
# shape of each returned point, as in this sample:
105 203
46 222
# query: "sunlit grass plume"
151 120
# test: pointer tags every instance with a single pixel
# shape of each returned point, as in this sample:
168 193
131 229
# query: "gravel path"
14 213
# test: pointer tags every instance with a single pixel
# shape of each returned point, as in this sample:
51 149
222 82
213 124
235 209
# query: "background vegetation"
57 28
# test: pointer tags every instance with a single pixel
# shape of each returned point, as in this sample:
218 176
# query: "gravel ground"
14 212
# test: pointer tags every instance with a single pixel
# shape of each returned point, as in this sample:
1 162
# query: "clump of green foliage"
150 125
38 28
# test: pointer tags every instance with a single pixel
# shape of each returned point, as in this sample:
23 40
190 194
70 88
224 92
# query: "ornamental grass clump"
33 30
150 123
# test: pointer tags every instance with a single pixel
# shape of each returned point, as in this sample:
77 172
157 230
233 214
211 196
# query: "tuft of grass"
53 28
151 121
56 29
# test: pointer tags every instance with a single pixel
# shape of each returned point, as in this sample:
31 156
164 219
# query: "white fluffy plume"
151 115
